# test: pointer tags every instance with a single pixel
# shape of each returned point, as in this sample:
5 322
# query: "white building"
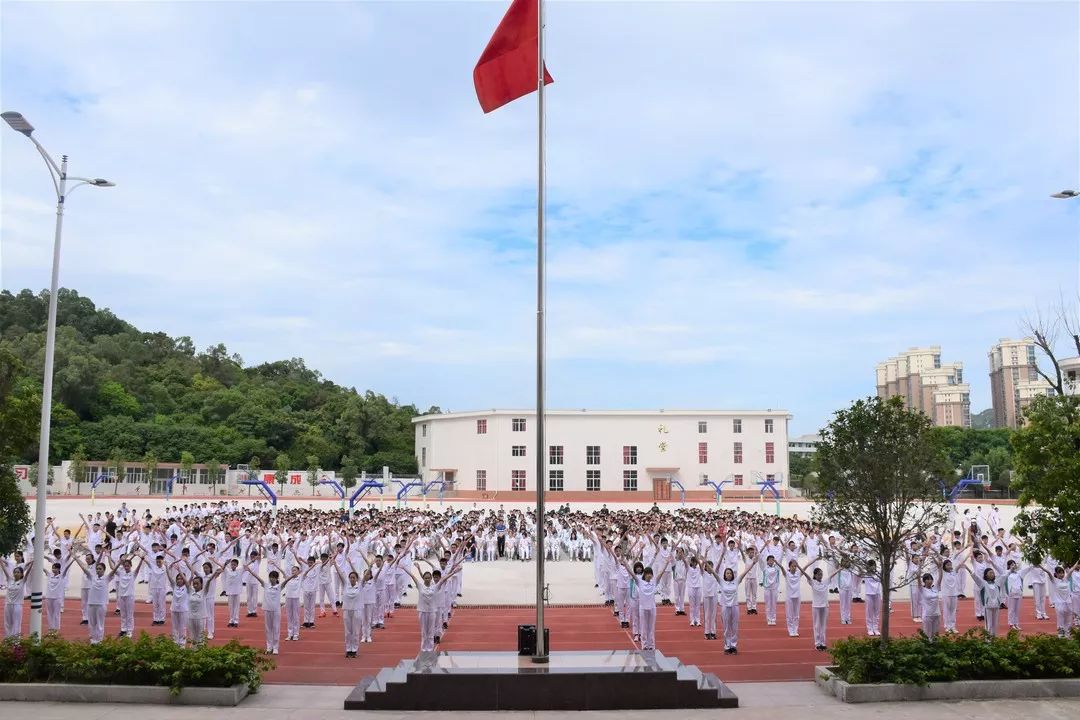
602 451
804 444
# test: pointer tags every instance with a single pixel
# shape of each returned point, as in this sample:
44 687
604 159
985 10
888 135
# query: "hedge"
975 655
148 660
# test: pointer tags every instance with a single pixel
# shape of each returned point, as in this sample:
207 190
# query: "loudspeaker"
527 640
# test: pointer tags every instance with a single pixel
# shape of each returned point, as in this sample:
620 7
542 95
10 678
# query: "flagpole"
541 655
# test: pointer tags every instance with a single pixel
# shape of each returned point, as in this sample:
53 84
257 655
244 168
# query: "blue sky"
750 203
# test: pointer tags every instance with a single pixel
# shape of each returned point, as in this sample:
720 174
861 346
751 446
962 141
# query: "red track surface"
765 653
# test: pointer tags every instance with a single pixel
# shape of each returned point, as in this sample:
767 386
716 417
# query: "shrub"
147 660
972 656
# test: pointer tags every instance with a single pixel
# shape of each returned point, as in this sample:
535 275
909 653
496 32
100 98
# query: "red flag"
507 68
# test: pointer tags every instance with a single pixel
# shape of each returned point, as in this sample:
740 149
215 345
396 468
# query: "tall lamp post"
60 178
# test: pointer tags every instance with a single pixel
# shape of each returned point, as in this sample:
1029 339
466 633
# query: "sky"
749 204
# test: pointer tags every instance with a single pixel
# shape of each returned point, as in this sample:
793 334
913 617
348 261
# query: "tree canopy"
1047 454
879 466
119 390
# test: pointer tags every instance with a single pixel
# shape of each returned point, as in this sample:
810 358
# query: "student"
949 591
271 605
819 603
233 583
13 603
251 574
678 575
647 606
709 590
872 589
157 578
930 609
309 585
326 586
197 595
351 591
1014 592
844 583
178 611
793 597
96 600
125 594
1061 597
770 586
292 603
728 600
368 598
990 589
55 581
751 582
693 591
427 592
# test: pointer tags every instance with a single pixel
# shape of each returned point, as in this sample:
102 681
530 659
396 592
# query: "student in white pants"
1014 593
197 611
84 591
271 607
292 588
770 586
179 605
989 588
125 594
350 611
819 603
233 582
309 585
844 580
368 596
750 585
251 574
1037 582
872 590
678 578
693 591
55 582
709 590
158 582
13 603
1061 596
930 610
647 607
96 600
427 593
949 590
326 586
793 597
728 600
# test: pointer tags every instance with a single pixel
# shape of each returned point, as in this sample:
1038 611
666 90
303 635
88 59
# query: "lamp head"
1066 194
102 182
18 123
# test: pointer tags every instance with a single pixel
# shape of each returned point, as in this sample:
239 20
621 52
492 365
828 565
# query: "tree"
14 512
254 468
877 484
117 464
281 474
213 472
1046 452
77 468
348 473
800 467
151 462
313 472
34 475
187 462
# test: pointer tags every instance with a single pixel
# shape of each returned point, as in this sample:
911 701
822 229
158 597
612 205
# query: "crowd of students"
305 562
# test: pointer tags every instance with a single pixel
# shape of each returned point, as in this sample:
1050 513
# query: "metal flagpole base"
541 659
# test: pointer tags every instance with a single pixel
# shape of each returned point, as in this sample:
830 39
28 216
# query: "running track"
765 653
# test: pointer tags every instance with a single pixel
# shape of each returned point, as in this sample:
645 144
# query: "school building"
597 455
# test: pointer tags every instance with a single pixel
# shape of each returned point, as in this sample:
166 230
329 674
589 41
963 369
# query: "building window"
423 430
770 452
736 425
481 480
737 479
629 454
555 455
423 457
768 425
592 480
702 426
517 451
481 427
629 480
592 454
517 424
738 452
517 479
703 452
555 480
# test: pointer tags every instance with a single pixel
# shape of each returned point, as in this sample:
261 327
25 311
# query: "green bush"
147 660
971 656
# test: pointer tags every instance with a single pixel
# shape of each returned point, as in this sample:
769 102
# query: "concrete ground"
758 701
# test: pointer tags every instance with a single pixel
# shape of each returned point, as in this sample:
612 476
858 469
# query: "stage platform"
584 680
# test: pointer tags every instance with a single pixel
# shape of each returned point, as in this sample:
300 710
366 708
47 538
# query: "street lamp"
59 176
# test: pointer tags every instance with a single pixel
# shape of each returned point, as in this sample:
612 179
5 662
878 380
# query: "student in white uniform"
1014 592
55 582
13 599
427 592
930 609
233 584
750 585
326 585
646 592
271 606
694 591
819 603
251 574
678 577
792 597
368 597
292 603
125 594
872 590
727 597
770 586
157 579
949 591
350 611
178 612
96 600
1061 596
709 590
843 580
990 590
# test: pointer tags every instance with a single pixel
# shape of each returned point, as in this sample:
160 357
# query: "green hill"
119 390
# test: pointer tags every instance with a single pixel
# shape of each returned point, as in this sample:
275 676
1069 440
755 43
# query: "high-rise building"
937 389
1014 381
